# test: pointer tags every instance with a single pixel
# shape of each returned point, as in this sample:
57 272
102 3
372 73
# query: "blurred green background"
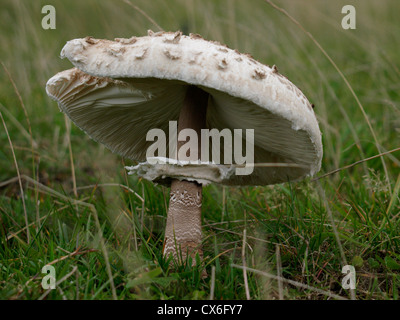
362 200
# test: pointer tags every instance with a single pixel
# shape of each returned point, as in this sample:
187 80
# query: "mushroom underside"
112 112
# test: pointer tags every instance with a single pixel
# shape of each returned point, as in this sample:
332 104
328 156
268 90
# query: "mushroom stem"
183 231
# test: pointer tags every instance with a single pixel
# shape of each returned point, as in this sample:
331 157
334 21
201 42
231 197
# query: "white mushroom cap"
121 89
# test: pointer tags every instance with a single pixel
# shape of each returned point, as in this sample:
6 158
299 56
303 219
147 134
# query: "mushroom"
121 90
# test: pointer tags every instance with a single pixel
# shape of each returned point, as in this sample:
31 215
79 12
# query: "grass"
84 214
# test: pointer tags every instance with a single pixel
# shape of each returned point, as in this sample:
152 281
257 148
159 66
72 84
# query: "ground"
67 201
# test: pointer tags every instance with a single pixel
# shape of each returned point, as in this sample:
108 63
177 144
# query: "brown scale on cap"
131 40
91 40
222 49
116 51
223 64
172 54
259 74
195 36
174 39
141 54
